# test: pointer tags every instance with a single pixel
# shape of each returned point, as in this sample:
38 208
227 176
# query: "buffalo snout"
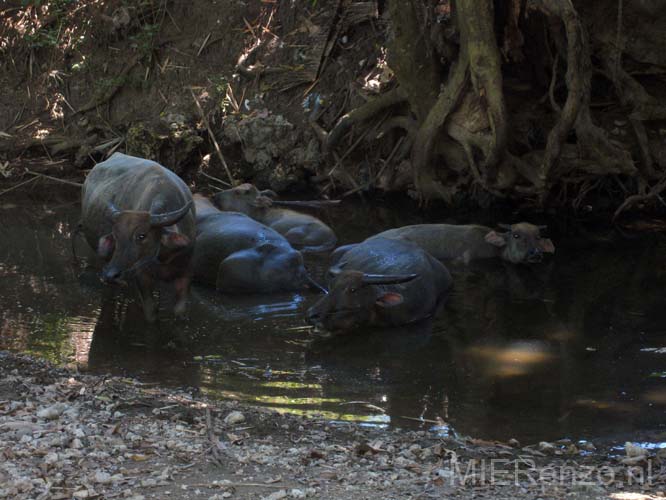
111 275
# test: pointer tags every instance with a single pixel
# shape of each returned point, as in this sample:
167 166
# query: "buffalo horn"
505 226
542 228
169 218
113 211
387 279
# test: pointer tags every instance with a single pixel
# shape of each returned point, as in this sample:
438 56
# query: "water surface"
573 347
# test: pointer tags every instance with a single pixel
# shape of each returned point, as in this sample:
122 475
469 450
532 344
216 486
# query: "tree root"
575 114
478 40
119 81
361 114
449 98
655 192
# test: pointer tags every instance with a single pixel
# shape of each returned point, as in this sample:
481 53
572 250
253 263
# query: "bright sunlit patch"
518 358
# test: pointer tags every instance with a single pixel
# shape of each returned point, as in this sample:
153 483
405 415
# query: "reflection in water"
574 346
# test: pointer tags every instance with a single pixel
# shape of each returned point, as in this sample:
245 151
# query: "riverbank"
65 434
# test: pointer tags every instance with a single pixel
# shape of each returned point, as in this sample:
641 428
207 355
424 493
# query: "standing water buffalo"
520 243
238 254
139 218
303 231
381 282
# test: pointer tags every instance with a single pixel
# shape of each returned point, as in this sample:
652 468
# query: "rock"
586 446
52 412
547 447
633 450
235 417
102 477
277 495
514 443
296 493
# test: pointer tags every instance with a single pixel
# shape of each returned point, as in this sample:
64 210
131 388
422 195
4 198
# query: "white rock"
546 447
278 495
634 450
52 412
235 417
102 477
296 493
51 458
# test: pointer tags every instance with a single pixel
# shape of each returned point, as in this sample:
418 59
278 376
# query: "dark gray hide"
381 282
139 217
303 231
518 243
238 254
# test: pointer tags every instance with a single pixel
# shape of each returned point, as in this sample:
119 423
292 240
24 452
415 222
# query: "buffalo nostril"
111 275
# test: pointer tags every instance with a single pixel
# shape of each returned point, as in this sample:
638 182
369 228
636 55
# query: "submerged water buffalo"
303 231
238 254
139 218
381 282
519 243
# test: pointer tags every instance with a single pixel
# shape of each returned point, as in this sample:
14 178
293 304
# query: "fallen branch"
54 179
215 447
308 204
16 186
212 137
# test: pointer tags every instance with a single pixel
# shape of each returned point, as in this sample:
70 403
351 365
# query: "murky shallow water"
573 347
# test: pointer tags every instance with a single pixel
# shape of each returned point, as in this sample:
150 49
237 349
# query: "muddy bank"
70 435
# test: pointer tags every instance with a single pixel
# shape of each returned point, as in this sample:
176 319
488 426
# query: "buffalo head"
245 198
136 238
521 242
354 300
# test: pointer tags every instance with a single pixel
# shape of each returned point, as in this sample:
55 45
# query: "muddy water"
574 347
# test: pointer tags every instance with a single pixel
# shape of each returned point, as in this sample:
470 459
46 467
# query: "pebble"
52 412
235 417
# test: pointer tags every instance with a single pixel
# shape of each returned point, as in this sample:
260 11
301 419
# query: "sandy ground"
69 435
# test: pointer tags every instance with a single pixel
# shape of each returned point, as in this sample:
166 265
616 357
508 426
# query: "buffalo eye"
353 289
516 235
141 236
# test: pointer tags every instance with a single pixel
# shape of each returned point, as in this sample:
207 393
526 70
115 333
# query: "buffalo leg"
146 284
182 287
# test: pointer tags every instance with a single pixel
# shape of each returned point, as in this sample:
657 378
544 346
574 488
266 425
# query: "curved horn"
268 193
505 226
113 211
170 218
542 228
334 271
387 279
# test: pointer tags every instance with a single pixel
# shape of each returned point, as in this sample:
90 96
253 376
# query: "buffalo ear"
106 246
389 299
262 202
174 240
547 245
494 238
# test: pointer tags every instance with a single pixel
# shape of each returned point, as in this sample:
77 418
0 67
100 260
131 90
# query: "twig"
55 179
216 449
215 179
654 192
18 185
212 137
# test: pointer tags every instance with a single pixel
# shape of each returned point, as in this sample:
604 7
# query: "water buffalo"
139 218
381 282
238 254
518 244
303 231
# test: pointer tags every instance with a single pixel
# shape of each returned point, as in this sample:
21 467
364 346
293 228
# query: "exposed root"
107 95
655 192
449 98
577 69
478 40
361 114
